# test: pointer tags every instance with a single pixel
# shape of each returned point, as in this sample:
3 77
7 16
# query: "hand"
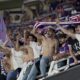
76 61
24 31
35 26
57 21
55 58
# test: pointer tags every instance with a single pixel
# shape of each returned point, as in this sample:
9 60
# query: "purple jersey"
64 48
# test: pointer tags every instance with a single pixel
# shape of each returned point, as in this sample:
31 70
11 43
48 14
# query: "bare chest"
48 43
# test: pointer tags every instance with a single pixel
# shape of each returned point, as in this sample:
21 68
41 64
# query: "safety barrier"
54 69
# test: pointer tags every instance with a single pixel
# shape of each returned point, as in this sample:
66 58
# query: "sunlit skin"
49 43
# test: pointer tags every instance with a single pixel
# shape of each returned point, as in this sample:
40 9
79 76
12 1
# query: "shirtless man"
49 48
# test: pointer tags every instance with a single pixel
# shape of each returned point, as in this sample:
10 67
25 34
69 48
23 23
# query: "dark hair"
59 6
71 27
21 43
52 30
62 36
34 38
77 25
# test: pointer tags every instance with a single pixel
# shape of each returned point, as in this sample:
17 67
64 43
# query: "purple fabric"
1 55
64 49
2 29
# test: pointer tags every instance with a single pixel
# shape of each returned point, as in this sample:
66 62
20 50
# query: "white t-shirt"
17 60
36 49
78 37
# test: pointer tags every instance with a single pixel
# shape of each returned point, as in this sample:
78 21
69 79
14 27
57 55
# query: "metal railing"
54 69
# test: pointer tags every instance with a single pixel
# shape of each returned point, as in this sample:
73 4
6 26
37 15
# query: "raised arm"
64 30
4 46
24 36
36 34
17 46
56 46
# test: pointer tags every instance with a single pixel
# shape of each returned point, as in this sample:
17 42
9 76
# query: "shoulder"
77 36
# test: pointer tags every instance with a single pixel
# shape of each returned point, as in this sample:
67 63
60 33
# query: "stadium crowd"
28 51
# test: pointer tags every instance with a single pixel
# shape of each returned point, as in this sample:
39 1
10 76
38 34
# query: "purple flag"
2 29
